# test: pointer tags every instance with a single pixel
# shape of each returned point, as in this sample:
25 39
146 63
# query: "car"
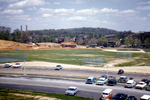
71 90
130 83
7 65
141 85
120 96
17 65
106 95
148 87
145 80
111 77
90 80
112 82
145 97
121 71
58 67
131 78
123 79
103 76
131 98
101 81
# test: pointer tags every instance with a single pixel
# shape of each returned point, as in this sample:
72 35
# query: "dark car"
131 98
148 87
112 82
123 79
121 71
90 80
145 80
120 96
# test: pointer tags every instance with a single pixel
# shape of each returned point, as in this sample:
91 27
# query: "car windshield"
89 80
17 63
121 78
105 93
140 83
58 66
71 89
101 79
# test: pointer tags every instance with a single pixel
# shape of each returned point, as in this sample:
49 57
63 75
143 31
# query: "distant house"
69 44
61 39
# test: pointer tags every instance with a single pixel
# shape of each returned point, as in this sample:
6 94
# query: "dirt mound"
10 45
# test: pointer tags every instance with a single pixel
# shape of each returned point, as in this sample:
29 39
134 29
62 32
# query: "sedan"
145 80
17 65
120 96
72 90
141 85
90 80
58 67
101 81
131 98
122 79
7 65
148 87
121 71
130 83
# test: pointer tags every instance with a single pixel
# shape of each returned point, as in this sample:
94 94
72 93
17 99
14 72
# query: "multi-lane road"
59 85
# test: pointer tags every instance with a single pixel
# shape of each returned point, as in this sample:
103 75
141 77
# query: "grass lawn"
75 56
12 94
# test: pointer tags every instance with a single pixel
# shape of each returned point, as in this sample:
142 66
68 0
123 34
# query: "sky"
120 15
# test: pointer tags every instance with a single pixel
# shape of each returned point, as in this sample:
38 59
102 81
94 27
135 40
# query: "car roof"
107 91
7 63
130 81
90 77
72 87
145 97
141 82
123 76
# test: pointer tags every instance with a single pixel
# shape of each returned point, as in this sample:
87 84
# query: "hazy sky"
120 15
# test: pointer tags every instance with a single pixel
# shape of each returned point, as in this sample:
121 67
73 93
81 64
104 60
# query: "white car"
145 97
17 65
130 83
72 90
141 85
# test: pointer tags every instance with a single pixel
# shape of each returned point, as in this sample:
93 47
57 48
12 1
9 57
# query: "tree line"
82 36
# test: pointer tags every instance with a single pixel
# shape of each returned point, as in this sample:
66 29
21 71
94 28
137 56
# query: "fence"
92 61
10 57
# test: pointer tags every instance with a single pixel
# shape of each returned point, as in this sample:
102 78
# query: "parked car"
120 96
131 98
141 85
112 82
130 83
121 71
90 80
58 67
148 87
72 90
131 78
103 76
7 65
123 79
111 77
145 97
101 81
145 80
17 65
106 95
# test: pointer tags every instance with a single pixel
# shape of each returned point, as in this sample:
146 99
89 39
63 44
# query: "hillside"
10 45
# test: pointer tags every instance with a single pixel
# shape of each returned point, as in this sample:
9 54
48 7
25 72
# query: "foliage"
9 94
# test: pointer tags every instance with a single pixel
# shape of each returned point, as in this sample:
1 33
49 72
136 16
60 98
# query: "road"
59 85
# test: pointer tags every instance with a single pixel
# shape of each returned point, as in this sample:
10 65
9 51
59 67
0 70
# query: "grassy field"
12 94
75 56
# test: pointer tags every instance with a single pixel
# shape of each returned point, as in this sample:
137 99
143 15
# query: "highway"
59 85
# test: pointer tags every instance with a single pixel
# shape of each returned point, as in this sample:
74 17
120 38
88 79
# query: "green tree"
93 41
102 41
129 41
67 39
79 41
137 42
